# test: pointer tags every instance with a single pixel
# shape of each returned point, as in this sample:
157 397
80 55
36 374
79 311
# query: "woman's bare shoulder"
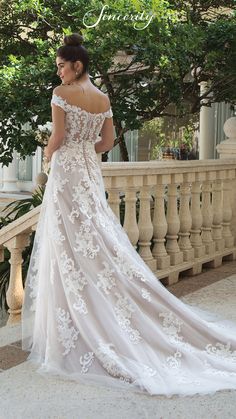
58 90
71 96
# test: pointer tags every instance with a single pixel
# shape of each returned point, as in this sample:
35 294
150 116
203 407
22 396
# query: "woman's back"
84 95
86 109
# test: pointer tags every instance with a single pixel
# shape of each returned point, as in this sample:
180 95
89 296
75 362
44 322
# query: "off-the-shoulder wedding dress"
93 311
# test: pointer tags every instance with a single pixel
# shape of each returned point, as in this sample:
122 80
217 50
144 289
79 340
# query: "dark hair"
72 50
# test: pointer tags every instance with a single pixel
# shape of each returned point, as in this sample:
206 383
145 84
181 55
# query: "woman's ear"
78 66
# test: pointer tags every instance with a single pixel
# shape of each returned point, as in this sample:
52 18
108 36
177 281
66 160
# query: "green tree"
183 36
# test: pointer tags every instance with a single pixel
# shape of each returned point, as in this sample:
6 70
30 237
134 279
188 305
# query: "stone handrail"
187 218
15 237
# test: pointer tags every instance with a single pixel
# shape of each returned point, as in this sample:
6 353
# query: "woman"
93 311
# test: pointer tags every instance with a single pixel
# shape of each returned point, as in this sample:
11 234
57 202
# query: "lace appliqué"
84 240
78 120
87 201
68 158
75 213
75 281
124 265
111 362
105 279
174 362
146 294
86 361
102 220
68 335
222 351
58 186
123 311
54 229
171 326
173 366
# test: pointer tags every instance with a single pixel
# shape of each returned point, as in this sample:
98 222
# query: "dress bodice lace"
81 125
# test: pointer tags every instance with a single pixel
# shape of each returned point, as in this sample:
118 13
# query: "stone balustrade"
185 212
179 215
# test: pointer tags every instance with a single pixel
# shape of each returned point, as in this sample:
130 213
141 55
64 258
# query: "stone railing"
187 212
186 218
15 237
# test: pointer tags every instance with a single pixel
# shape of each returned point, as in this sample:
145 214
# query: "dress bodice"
81 125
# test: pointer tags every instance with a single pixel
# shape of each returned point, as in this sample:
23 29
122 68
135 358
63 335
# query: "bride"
93 311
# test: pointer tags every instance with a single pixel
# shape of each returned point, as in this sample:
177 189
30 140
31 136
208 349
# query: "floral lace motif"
85 198
86 361
68 335
171 326
173 367
69 158
124 265
58 186
75 213
80 121
105 278
54 230
174 362
102 220
123 311
75 281
222 351
84 240
145 294
111 361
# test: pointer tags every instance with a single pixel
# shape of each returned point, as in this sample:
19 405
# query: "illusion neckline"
78 107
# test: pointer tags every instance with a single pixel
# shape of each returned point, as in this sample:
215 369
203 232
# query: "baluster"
160 229
207 217
173 222
114 202
114 188
130 221
145 228
227 214
185 222
15 291
195 237
217 215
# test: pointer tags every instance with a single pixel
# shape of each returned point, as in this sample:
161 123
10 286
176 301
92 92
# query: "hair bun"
75 39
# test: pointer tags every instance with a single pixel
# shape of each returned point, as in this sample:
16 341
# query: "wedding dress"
93 311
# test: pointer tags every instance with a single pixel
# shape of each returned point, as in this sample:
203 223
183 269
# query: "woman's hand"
47 154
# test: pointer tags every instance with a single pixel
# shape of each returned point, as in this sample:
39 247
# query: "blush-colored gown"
93 311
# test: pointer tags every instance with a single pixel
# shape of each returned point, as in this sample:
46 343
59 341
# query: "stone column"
227 150
10 176
207 126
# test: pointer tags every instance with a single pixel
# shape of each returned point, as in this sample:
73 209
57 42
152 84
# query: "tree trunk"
123 149
105 156
122 145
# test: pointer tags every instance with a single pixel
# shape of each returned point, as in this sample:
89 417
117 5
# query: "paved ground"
26 394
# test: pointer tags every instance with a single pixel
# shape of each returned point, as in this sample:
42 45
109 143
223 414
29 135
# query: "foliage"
183 35
160 138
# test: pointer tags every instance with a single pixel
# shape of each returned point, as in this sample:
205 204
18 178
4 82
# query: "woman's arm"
58 131
107 135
